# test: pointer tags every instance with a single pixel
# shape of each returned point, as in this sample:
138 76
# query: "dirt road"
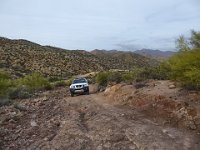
54 120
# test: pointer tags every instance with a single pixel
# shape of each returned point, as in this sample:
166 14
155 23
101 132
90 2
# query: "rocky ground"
54 120
162 101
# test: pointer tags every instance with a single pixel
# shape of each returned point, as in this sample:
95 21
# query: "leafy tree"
195 39
193 42
185 65
182 44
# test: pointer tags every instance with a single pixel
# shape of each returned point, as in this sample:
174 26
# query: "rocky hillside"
156 54
21 57
124 59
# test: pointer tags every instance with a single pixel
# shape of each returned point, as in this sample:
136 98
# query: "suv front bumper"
80 90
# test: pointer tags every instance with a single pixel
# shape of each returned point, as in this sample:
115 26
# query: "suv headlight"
85 85
72 87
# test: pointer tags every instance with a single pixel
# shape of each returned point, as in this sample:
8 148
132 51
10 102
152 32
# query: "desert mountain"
124 59
156 54
21 57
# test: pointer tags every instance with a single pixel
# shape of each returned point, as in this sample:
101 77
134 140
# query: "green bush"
60 83
128 77
4 101
185 67
49 86
102 78
33 81
21 92
136 75
159 73
115 77
4 86
69 81
4 75
5 83
22 87
54 79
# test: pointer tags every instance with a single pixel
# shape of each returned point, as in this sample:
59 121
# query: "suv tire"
72 94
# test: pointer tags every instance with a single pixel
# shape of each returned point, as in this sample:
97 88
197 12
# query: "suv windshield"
79 81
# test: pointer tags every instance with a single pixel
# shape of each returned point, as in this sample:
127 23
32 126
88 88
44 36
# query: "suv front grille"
78 86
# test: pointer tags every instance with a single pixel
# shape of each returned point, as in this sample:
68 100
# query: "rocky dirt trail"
54 120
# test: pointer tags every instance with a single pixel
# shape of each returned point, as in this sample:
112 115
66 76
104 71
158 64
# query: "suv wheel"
72 94
87 93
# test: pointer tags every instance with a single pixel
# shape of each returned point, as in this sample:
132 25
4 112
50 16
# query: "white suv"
79 85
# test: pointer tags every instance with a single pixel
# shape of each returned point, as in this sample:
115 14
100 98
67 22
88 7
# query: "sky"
100 24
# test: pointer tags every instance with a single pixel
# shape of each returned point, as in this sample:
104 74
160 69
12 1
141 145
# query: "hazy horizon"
91 24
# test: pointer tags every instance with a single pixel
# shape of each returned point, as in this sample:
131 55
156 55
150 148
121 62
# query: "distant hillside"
123 59
156 54
21 57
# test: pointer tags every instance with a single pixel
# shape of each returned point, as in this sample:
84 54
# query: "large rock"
172 86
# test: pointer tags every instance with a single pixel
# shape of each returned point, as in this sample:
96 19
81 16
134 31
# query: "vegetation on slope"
21 57
136 75
22 87
185 65
124 60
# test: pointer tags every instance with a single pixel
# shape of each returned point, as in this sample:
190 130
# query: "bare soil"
161 101
54 120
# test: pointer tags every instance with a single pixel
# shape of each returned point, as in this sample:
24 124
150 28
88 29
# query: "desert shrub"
49 87
53 79
33 81
159 73
4 101
185 67
128 77
115 77
102 78
22 87
165 70
4 86
4 75
136 75
69 81
60 83
5 83
21 92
